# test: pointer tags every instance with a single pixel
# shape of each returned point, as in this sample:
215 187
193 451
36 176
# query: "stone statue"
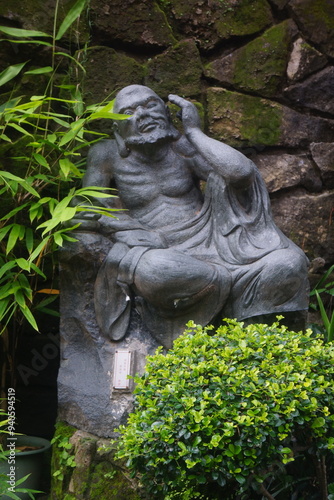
179 253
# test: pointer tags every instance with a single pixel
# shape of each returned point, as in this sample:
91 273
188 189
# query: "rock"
107 71
315 19
259 66
177 70
308 220
316 92
304 60
139 22
209 23
282 171
97 475
87 398
243 120
323 156
279 3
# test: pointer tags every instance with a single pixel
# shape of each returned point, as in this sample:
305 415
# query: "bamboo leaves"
43 135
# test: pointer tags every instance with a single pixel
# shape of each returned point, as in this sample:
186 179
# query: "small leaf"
41 160
11 72
71 16
22 33
39 71
29 317
13 236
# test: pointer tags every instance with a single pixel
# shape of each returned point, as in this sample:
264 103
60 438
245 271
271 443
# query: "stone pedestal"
89 395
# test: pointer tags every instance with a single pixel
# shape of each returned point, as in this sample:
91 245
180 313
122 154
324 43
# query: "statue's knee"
285 273
163 276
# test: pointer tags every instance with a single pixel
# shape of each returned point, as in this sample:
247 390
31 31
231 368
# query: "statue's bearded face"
148 121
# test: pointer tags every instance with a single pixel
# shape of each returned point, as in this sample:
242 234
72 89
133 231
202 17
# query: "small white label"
122 369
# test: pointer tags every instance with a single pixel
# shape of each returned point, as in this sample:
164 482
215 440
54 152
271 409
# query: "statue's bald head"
132 93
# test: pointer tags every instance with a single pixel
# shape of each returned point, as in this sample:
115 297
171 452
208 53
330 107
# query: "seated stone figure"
178 254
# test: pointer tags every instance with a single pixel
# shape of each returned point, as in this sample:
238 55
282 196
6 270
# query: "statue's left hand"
189 114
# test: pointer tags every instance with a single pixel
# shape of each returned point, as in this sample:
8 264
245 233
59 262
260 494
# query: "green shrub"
223 414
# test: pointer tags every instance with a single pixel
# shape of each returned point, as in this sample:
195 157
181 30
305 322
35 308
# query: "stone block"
243 120
315 19
285 171
323 156
259 66
139 22
211 22
304 60
316 92
177 70
108 70
308 220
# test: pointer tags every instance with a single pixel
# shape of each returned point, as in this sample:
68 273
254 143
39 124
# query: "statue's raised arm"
225 160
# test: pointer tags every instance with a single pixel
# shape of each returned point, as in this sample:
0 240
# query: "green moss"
107 71
110 484
177 70
260 65
243 17
59 487
319 11
242 120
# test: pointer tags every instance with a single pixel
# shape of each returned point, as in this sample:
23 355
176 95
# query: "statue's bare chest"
140 184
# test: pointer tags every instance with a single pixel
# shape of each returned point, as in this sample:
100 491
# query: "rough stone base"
96 476
87 398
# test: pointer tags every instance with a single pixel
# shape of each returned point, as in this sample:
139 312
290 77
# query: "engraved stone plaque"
122 369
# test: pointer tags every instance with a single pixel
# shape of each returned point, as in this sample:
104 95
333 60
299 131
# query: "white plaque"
122 369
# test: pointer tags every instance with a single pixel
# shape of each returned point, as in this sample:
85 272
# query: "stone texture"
285 171
138 22
98 475
308 220
108 71
323 156
280 3
216 20
315 19
304 60
243 120
87 399
316 92
259 66
179 68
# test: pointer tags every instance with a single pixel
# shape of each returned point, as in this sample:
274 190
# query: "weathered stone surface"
97 474
243 120
323 155
279 3
308 220
258 66
87 399
107 71
139 22
317 92
179 68
304 60
282 171
210 22
315 18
